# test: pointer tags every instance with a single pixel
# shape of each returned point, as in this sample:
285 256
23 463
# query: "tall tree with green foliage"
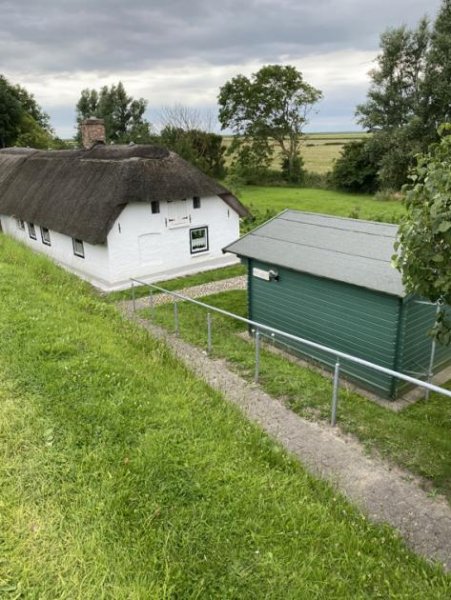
437 84
409 96
395 105
201 148
22 120
424 245
10 115
395 93
123 115
269 108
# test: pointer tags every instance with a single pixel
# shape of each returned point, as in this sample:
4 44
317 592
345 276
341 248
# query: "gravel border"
196 291
383 493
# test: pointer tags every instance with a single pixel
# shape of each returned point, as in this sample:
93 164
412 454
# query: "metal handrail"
338 354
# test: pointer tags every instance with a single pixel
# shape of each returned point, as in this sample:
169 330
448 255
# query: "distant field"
319 150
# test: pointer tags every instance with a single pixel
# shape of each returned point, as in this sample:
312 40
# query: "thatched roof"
82 192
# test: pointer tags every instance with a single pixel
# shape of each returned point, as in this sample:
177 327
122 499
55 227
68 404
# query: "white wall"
94 266
143 244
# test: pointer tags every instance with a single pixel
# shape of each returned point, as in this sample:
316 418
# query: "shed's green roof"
349 250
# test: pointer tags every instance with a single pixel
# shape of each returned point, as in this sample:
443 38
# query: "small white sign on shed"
261 274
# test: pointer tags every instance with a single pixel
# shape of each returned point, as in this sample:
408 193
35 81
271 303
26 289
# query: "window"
196 202
31 231
20 224
79 249
155 207
45 236
177 213
198 239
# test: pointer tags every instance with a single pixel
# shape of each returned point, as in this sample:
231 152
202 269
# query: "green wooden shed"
330 280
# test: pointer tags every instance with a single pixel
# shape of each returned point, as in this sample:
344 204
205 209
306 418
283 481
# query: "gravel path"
383 493
196 291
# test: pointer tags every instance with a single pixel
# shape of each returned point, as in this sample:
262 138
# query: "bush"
316 180
295 172
258 218
356 170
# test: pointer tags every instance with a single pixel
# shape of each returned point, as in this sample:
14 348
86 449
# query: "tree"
203 149
186 118
187 131
270 108
394 110
22 120
424 241
437 87
123 115
32 108
10 115
395 93
356 169
409 96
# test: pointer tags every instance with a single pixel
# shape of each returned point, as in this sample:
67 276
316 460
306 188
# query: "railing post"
151 301
431 367
432 357
209 332
133 296
333 419
257 355
176 317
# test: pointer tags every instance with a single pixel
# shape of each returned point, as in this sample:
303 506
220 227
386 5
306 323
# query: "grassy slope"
122 476
417 438
322 201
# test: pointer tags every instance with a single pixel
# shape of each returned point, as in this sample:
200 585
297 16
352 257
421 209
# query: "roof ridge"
348 230
326 216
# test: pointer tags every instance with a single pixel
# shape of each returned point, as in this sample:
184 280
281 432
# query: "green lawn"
123 476
276 199
416 439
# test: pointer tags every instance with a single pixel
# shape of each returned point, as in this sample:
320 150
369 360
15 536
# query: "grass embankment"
123 476
416 439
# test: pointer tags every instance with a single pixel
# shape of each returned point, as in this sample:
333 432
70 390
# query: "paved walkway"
383 493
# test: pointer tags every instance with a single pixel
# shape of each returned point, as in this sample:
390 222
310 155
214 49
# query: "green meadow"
261 199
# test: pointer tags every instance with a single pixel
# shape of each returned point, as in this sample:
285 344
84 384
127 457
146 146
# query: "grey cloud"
66 35
105 37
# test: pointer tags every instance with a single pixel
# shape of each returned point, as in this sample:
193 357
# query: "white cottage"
109 213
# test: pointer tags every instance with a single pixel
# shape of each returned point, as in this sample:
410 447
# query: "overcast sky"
182 51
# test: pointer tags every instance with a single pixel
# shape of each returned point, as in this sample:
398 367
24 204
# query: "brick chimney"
92 132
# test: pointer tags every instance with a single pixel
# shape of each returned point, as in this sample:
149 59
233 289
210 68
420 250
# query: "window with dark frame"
20 224
31 231
45 236
155 207
79 249
198 240
196 201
